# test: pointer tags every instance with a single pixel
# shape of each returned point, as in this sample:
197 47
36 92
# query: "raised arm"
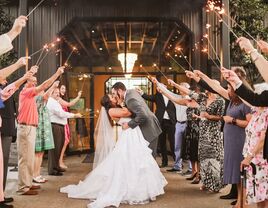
181 88
215 85
260 62
72 103
9 90
46 84
170 95
50 90
4 73
19 23
242 91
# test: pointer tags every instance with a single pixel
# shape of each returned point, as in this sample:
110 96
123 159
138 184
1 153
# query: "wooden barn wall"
47 21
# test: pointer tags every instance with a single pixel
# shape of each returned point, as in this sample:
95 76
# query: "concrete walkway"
179 192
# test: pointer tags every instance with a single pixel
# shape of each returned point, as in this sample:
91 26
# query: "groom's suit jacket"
142 116
260 100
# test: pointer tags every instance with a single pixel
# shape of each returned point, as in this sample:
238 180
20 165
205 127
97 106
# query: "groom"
141 114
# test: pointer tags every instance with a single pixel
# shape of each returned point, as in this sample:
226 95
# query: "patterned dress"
44 138
190 145
259 182
210 147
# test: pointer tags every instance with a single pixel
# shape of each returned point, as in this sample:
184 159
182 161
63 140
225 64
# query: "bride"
125 172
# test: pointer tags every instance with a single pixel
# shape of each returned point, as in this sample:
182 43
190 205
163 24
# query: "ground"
179 192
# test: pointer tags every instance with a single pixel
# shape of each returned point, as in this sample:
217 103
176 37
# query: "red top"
27 107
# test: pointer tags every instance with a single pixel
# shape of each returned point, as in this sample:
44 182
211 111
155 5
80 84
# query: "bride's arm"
119 112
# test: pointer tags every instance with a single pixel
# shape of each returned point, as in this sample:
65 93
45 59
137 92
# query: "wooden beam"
104 41
129 37
116 38
168 39
143 37
80 42
154 42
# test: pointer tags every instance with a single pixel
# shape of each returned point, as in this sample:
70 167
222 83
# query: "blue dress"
234 139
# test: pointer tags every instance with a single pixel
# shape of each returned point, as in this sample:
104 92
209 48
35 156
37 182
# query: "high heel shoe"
192 177
196 180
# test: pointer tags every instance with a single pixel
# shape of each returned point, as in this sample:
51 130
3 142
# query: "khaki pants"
26 153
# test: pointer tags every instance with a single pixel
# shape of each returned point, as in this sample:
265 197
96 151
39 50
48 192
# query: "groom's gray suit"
144 118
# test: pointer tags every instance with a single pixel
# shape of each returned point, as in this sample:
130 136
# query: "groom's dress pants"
168 131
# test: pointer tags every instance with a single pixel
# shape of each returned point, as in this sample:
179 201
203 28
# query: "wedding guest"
26 132
166 115
65 105
256 183
44 137
248 95
180 132
8 132
190 149
236 119
5 94
58 118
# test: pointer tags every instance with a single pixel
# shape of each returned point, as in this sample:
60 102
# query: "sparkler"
48 49
69 56
35 8
213 49
84 79
149 76
205 50
180 50
155 65
168 54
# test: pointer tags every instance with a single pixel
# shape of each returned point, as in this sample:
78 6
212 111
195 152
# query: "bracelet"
257 57
253 50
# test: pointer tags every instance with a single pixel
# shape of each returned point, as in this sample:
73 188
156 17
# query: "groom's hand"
125 126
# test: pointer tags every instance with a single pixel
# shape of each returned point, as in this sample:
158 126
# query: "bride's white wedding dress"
129 174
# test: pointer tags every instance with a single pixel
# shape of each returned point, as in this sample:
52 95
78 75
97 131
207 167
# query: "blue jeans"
179 134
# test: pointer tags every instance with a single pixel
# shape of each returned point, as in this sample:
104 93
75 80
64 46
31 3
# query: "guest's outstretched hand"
198 73
34 69
192 75
231 77
171 82
60 70
22 61
19 23
263 46
77 115
56 84
245 45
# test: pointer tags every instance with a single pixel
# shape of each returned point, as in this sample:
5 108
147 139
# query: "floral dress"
190 144
44 137
210 146
259 182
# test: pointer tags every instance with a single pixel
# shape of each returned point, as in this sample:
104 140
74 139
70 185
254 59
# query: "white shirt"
56 113
181 111
5 44
166 116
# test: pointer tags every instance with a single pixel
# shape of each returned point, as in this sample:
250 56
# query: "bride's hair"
106 102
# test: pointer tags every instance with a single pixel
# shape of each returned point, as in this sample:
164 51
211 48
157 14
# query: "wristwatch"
234 121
